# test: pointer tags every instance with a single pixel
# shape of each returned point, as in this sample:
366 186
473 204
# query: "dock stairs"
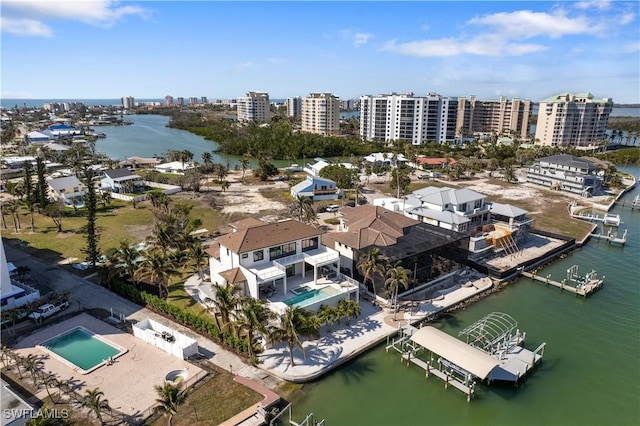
508 244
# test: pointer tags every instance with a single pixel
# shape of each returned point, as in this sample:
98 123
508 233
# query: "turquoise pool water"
311 296
82 349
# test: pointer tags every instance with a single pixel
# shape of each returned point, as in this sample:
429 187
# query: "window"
245 255
258 255
310 244
290 270
282 251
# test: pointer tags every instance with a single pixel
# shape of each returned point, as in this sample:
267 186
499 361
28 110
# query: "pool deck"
148 364
344 342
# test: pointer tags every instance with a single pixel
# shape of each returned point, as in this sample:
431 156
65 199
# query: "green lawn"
116 222
217 398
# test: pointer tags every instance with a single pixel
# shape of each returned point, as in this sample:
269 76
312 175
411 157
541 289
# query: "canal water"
590 374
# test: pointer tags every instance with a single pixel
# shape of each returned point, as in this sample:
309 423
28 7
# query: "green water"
81 348
590 374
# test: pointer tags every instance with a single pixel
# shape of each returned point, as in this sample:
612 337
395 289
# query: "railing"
316 259
350 280
288 260
269 273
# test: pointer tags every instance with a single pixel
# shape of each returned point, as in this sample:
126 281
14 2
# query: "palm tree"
207 159
94 402
199 257
253 318
302 209
33 363
396 277
127 257
22 271
7 355
158 268
328 315
349 309
171 396
51 381
244 165
225 301
295 322
225 185
370 264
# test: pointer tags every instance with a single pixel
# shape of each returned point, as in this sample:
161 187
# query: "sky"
102 49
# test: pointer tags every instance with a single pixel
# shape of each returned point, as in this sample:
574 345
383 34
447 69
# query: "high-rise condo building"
294 106
180 100
203 100
254 107
572 120
501 117
128 102
321 114
417 119
168 100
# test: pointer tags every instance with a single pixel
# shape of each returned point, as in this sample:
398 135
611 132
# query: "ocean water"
38 103
590 374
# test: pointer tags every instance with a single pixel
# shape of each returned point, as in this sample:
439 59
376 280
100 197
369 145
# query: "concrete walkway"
345 341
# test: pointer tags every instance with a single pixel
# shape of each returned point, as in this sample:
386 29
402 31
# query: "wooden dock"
584 287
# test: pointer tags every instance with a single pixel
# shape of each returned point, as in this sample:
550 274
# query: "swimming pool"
311 296
82 350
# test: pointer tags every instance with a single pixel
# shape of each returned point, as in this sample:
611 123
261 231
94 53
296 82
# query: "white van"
332 208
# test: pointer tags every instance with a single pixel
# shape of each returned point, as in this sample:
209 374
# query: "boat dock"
634 204
583 285
493 351
607 219
612 238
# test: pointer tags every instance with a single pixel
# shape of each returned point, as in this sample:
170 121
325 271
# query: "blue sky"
149 49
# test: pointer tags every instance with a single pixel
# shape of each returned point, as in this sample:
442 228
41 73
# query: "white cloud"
505 32
361 38
25 27
596 4
28 17
355 37
487 45
527 24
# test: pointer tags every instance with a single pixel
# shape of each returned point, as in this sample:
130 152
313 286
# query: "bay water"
149 136
590 374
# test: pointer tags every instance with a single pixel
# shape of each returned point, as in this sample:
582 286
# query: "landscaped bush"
200 324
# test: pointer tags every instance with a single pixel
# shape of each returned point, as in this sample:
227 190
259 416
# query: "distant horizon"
524 49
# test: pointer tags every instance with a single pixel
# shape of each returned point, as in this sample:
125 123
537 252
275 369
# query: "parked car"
47 310
424 176
332 208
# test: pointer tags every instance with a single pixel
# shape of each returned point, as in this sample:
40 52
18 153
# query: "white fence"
167 189
165 338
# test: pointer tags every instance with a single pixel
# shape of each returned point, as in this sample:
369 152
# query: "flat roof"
465 356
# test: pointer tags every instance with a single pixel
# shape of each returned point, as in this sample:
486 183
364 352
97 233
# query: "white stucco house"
279 262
